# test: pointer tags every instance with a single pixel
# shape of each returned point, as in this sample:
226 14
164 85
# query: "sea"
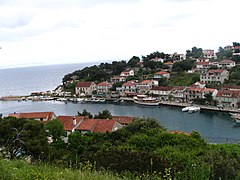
215 127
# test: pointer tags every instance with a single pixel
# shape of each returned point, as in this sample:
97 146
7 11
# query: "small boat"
191 109
194 109
236 118
102 100
145 100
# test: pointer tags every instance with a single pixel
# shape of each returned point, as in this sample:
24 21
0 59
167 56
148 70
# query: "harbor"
214 126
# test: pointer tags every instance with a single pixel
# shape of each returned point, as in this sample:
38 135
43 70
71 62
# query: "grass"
20 170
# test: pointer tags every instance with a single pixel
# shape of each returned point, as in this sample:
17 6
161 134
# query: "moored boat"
191 109
145 100
236 117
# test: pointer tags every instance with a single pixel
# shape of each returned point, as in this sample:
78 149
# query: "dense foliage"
142 147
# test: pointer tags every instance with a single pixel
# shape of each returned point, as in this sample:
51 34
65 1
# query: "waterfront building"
161 91
228 98
192 93
103 88
215 76
145 86
127 87
85 87
178 93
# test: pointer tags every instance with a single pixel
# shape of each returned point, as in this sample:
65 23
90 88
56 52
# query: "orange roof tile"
67 121
34 115
123 119
84 84
161 72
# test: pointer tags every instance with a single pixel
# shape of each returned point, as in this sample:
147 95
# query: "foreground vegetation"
143 149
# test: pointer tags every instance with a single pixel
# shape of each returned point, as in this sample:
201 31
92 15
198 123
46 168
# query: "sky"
76 31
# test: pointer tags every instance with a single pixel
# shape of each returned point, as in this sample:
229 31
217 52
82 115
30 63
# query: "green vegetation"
183 79
143 149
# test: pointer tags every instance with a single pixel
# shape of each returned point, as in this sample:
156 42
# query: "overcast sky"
68 31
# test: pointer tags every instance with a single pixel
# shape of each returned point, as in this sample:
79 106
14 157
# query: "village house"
161 74
201 59
103 88
177 57
85 88
127 87
192 93
228 98
145 86
178 93
215 76
156 59
208 53
169 64
226 64
127 72
40 116
70 123
161 91
117 79
202 67
236 50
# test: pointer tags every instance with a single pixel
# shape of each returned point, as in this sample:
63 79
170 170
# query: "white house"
103 88
217 76
127 72
226 64
161 74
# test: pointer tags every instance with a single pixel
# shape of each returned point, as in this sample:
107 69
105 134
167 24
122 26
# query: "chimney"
74 121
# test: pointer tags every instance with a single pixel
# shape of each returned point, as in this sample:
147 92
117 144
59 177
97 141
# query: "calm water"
215 126
23 81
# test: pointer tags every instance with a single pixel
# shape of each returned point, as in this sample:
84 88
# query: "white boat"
145 100
194 109
191 109
102 100
236 118
80 99
186 109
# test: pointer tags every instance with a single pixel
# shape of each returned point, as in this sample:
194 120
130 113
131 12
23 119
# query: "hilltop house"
203 67
127 72
208 53
177 57
40 116
169 64
226 64
217 76
116 79
161 74
85 88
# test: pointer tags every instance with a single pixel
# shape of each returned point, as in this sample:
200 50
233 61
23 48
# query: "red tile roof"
84 84
203 63
228 93
226 61
35 115
67 121
129 83
97 125
123 119
161 73
162 88
104 125
168 63
103 84
216 71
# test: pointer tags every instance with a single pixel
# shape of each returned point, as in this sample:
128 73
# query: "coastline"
165 103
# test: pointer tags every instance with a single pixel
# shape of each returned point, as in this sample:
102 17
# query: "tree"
194 53
85 113
105 114
133 61
183 65
77 142
55 129
35 138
